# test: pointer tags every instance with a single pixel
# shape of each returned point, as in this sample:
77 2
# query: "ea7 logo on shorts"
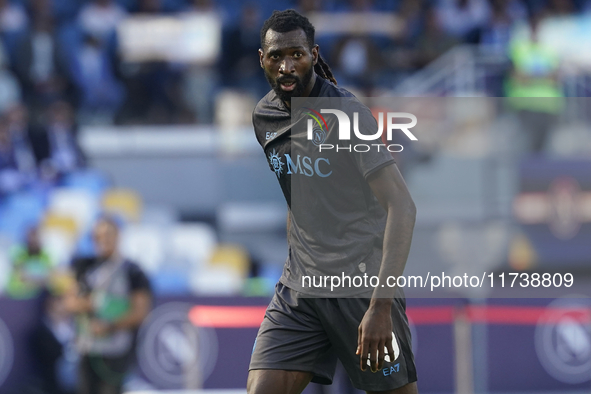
345 125
392 369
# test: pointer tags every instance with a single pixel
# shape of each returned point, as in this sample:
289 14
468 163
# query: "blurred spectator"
10 89
308 6
13 22
56 145
10 178
239 62
100 18
561 7
411 12
356 60
533 85
21 150
52 342
505 15
40 65
361 5
154 88
464 19
434 41
112 300
149 6
152 94
101 94
13 17
31 267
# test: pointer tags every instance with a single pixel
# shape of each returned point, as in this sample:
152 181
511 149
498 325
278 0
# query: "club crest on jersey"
276 163
318 132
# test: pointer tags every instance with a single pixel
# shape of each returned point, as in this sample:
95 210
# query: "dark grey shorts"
300 333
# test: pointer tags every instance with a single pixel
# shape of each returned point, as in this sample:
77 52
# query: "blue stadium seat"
170 282
90 180
20 212
85 245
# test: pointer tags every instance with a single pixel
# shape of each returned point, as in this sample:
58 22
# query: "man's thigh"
291 338
341 318
273 381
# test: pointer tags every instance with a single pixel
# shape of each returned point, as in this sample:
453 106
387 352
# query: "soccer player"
350 214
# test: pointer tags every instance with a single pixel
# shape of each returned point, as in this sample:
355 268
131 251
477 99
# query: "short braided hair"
290 20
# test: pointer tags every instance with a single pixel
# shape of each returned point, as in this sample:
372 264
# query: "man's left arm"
375 330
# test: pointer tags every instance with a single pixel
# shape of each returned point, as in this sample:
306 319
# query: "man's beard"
300 85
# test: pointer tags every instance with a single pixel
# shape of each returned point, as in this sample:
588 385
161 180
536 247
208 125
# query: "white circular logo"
174 353
563 340
6 352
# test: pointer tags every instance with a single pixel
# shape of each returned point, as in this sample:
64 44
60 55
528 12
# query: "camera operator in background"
112 299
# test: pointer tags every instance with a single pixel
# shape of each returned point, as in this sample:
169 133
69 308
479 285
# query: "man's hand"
100 328
375 334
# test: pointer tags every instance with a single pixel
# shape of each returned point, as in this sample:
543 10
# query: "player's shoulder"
269 113
329 89
347 101
269 105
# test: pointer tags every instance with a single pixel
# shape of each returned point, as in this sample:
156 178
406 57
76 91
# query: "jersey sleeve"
138 281
376 157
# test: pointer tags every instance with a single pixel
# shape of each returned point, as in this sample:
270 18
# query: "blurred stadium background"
142 108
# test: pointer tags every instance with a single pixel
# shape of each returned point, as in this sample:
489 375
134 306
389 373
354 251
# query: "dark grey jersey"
337 225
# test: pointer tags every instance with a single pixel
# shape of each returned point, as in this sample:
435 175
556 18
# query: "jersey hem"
303 290
321 379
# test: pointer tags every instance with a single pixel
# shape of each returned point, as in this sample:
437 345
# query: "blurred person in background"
308 6
533 85
111 300
31 268
357 60
464 19
13 22
238 66
56 144
505 14
18 150
433 42
355 56
10 178
153 87
100 92
561 8
40 64
200 81
10 88
99 18
52 341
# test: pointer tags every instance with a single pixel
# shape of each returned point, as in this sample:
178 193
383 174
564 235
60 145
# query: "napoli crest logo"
318 131
276 163
563 340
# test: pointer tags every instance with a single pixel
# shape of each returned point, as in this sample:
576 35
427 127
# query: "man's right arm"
77 303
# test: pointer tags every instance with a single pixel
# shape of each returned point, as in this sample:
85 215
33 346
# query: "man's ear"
315 52
261 58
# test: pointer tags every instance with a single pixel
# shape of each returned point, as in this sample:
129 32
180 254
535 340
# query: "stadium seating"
124 203
144 244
